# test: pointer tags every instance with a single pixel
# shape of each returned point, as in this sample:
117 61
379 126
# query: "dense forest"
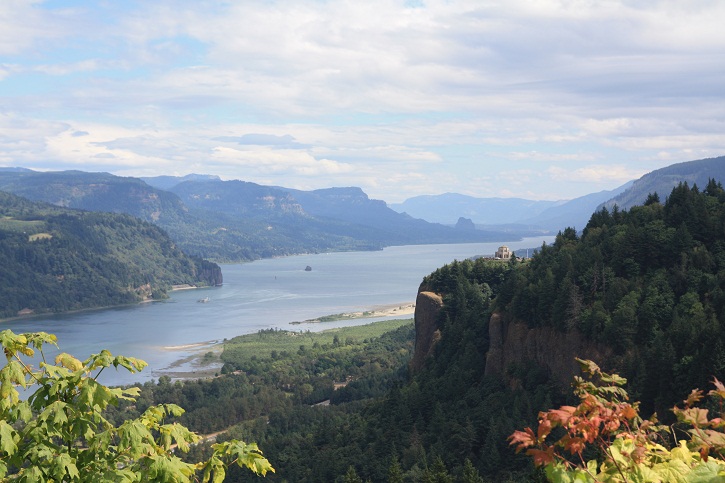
645 284
56 259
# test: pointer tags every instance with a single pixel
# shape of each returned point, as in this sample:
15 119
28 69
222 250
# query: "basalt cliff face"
511 343
427 307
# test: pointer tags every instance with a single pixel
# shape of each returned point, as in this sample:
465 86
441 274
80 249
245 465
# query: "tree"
395 472
60 433
470 473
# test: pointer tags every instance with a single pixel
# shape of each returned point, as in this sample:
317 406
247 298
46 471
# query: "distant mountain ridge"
448 207
237 220
507 213
168 182
661 181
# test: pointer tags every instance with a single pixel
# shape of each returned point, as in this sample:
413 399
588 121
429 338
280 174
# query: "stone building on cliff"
503 253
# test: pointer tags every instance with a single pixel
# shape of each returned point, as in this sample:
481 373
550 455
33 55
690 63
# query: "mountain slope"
574 213
448 207
661 181
236 220
508 214
351 205
56 259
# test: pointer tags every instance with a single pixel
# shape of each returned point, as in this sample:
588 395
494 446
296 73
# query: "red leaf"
561 415
628 412
542 457
523 439
544 429
694 397
719 388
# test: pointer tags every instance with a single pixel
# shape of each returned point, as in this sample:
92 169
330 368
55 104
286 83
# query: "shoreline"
174 288
194 366
389 310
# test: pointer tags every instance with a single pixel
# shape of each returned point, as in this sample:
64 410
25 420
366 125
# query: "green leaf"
68 361
707 472
134 438
7 439
674 471
64 465
131 363
246 454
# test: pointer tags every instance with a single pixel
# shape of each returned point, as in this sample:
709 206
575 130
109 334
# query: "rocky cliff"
427 307
516 343
511 343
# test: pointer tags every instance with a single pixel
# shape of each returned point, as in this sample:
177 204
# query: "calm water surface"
262 294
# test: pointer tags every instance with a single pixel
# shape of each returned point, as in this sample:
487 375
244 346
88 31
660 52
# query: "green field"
8 223
263 343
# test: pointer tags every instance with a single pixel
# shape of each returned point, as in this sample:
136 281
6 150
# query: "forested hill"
55 259
647 284
641 290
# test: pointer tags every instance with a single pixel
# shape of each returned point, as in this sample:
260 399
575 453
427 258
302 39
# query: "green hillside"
55 259
642 289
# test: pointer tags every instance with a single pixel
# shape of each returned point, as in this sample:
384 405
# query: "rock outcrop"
516 343
427 307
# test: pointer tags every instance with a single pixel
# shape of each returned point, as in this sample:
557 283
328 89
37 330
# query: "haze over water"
263 294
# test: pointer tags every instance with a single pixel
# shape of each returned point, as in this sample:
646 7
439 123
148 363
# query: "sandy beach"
196 365
390 310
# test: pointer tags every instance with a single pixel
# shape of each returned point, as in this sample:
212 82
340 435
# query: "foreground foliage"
604 439
60 433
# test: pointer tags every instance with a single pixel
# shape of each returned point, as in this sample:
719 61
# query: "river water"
262 294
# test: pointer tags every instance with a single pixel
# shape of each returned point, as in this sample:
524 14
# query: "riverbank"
390 310
204 358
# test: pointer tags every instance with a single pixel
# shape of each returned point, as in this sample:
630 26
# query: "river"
262 294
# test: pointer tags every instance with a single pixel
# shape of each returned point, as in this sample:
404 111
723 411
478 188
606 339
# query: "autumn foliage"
604 439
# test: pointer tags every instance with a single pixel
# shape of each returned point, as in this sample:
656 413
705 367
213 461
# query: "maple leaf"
628 412
542 457
694 397
561 415
575 445
719 388
544 429
523 439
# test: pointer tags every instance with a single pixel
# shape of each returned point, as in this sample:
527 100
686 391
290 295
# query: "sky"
536 99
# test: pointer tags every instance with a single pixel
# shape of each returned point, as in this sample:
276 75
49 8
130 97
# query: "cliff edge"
516 343
427 307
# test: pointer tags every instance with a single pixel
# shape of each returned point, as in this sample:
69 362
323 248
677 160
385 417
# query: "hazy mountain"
515 215
661 181
168 182
13 169
448 207
237 220
96 192
341 212
574 213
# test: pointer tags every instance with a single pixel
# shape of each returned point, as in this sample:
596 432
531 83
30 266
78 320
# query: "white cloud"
435 97
595 173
